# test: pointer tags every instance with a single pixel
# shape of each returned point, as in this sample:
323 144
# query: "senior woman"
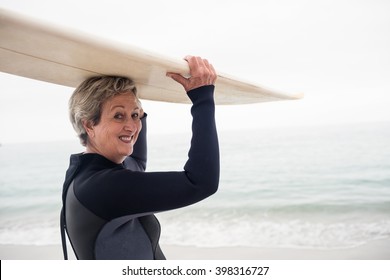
108 201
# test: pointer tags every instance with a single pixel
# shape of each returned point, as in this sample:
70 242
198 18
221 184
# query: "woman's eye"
118 116
135 116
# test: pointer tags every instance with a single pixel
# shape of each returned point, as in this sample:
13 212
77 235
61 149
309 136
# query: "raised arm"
138 159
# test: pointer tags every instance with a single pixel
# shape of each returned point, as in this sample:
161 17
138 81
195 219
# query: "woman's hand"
202 73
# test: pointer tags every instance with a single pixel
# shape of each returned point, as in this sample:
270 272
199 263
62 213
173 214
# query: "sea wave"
275 232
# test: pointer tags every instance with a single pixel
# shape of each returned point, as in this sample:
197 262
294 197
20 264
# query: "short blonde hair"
86 102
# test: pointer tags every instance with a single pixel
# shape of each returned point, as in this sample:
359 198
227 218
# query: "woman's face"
116 133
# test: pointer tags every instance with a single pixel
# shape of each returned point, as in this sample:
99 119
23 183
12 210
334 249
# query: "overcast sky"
337 52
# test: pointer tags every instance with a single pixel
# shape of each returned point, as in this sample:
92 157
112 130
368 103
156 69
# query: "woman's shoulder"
91 161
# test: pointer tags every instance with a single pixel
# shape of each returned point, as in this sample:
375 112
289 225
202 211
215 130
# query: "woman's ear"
89 128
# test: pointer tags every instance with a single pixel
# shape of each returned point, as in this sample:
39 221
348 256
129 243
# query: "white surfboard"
41 51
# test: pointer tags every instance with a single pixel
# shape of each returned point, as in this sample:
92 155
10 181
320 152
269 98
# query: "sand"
375 250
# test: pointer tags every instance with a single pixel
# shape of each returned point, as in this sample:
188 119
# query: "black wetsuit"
108 209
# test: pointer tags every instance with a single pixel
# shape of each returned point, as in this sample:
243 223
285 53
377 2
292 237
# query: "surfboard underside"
40 51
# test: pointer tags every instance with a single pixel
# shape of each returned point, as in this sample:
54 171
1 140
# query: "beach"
374 250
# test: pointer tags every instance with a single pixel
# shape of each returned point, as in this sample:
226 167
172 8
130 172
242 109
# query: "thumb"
179 78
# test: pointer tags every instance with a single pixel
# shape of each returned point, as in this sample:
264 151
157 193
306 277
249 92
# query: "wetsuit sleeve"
138 159
113 193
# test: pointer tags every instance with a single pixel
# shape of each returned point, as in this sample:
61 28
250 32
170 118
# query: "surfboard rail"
38 50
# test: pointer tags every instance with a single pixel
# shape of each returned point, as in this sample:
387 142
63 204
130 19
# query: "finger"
178 78
214 73
209 70
188 57
194 63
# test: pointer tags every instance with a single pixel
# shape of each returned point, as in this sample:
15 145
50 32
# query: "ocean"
324 187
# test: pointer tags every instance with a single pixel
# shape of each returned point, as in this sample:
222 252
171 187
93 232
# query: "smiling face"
117 131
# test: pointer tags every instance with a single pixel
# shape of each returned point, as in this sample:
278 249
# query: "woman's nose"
130 125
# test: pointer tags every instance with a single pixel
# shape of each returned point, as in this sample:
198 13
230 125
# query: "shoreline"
374 250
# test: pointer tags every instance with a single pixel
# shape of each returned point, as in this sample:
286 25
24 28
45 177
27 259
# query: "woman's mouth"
127 139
